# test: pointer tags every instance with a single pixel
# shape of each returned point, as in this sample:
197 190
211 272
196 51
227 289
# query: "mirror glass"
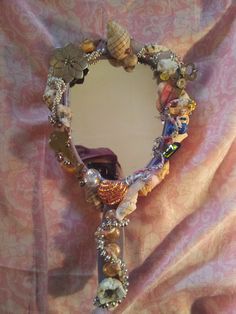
117 110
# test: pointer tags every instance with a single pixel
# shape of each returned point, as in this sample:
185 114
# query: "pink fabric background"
181 242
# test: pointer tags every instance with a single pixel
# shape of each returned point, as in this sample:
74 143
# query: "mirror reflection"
116 111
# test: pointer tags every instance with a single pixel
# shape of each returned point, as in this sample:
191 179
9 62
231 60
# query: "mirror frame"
118 198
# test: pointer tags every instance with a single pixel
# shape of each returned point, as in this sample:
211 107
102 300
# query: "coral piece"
112 192
118 41
113 249
110 290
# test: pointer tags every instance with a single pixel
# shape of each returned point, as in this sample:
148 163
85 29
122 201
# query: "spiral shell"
112 192
118 41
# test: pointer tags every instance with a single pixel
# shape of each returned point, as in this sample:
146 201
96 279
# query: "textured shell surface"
118 40
112 192
127 207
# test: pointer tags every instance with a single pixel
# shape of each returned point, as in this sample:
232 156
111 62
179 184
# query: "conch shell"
112 192
118 41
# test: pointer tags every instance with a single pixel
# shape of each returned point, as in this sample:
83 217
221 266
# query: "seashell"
129 69
126 208
118 41
152 49
155 180
130 61
49 96
64 115
112 192
167 65
110 290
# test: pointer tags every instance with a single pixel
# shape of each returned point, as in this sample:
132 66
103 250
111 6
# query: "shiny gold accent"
112 234
164 76
113 249
111 270
112 192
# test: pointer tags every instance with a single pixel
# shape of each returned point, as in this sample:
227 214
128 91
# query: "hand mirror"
138 120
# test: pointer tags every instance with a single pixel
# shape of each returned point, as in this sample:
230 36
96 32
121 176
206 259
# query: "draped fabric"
181 241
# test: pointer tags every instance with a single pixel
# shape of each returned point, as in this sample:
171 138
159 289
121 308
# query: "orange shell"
112 192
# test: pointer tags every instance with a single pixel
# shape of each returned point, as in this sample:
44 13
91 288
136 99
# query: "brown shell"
112 192
118 41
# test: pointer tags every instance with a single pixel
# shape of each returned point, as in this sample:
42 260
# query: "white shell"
128 205
110 284
64 115
167 65
49 95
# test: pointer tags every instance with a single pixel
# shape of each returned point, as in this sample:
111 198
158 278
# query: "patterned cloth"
181 242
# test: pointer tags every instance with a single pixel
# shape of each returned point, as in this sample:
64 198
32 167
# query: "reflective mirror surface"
117 110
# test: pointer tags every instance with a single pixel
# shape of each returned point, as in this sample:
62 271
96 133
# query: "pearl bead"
110 270
92 178
112 234
113 249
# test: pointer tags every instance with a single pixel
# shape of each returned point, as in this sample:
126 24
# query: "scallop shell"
112 192
118 41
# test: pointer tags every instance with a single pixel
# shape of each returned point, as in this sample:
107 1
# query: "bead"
88 46
110 270
112 234
92 178
164 76
113 249
181 83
